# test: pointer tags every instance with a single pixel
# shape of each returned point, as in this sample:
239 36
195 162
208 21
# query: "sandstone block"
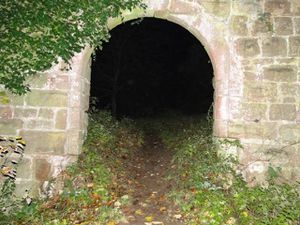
283 112
25 113
61 119
238 25
294 46
160 5
278 7
257 91
283 26
217 8
280 73
10 127
40 142
42 169
39 124
246 7
75 140
253 130
254 112
287 89
31 186
295 4
289 100
247 47
262 25
264 130
290 132
182 7
38 81
75 118
294 157
87 87
47 98
46 113
250 76
17 100
62 83
25 168
252 64
274 46
5 112
220 128
297 25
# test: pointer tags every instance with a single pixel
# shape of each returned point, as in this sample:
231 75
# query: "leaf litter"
146 174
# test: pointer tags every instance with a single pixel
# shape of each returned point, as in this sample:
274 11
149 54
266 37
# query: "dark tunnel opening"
152 66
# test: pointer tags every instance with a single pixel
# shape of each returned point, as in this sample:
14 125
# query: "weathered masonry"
254 46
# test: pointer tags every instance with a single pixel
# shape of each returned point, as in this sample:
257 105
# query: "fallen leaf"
149 218
162 209
139 212
111 223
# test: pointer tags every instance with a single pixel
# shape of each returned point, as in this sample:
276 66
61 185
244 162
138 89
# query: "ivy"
34 34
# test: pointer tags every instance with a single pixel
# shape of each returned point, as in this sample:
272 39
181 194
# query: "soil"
149 188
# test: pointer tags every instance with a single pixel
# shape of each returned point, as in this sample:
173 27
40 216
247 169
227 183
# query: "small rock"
117 204
131 218
125 197
144 205
90 185
177 216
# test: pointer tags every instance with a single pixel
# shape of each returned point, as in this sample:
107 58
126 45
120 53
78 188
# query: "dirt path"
149 188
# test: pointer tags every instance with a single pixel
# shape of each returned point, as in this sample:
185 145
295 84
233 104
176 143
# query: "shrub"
208 189
88 187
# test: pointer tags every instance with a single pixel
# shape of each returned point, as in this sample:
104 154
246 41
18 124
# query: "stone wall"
254 46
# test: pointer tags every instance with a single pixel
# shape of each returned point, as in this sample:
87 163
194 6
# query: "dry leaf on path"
111 223
149 218
139 212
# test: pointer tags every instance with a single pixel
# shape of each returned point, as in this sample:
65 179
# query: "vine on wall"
34 34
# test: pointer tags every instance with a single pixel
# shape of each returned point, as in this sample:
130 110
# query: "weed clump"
88 188
209 190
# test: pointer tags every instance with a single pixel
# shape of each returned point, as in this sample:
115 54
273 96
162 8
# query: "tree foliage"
34 34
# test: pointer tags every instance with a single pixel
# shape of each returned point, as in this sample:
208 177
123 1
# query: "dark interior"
152 66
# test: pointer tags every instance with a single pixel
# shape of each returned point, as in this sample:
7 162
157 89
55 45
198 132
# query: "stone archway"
191 17
256 83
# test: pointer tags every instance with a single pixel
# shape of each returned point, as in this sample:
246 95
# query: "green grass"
90 185
208 189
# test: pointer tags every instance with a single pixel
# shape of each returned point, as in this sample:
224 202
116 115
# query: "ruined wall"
254 46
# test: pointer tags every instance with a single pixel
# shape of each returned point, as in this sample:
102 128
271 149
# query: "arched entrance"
190 17
151 66
255 87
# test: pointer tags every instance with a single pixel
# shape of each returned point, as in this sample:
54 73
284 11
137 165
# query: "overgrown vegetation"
89 187
208 189
34 34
